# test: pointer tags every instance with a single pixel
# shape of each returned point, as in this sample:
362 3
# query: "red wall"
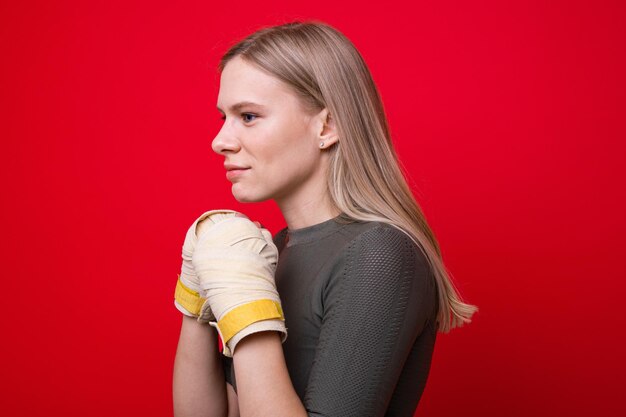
509 117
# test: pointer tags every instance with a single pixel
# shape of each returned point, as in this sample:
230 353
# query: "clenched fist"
233 263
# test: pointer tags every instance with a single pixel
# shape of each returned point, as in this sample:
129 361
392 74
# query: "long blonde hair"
364 178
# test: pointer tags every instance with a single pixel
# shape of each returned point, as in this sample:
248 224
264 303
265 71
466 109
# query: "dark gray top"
360 305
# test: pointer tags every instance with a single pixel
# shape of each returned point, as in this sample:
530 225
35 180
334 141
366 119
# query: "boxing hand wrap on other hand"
235 262
187 297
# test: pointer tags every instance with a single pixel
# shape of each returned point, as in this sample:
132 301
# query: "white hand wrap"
187 298
235 263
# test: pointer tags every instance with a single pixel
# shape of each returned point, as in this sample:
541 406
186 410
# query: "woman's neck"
305 214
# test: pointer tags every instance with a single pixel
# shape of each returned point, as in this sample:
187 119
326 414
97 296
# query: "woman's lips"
234 173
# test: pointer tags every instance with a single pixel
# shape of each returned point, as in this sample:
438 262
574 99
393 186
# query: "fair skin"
279 143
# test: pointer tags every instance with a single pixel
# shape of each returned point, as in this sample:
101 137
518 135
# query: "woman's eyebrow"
239 105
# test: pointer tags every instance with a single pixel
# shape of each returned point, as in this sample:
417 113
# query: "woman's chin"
246 197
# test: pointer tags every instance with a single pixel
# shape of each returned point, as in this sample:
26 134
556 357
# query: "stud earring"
321 144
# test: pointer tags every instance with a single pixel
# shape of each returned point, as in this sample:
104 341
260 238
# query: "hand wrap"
187 298
235 261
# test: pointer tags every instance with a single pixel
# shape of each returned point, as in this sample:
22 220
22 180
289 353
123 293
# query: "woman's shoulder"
382 239
371 233
383 256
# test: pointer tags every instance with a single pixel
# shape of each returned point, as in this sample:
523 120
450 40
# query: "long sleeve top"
360 304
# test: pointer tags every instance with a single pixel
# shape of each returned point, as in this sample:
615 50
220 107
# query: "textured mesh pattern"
374 311
377 332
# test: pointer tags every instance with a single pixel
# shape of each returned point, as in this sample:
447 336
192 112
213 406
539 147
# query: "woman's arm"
199 387
264 387
233 404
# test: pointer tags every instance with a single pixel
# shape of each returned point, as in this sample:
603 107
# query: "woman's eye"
244 116
247 114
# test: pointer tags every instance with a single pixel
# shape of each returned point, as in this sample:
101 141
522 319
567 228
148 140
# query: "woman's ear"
328 132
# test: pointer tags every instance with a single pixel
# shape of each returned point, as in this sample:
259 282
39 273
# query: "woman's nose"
224 142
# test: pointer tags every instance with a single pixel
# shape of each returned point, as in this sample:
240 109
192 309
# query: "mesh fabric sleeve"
375 304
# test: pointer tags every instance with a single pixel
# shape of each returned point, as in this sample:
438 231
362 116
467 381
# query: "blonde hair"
364 178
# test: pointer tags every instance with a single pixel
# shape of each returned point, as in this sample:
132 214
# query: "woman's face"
271 135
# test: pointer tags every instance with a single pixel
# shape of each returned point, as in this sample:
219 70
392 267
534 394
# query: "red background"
510 119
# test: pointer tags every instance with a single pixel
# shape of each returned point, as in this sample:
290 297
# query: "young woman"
356 279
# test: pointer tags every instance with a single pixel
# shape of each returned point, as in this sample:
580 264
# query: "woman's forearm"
199 387
264 387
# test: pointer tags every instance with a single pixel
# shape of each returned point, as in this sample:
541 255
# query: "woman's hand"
235 260
187 298
255 222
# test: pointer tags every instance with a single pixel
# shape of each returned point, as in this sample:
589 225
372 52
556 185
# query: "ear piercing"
321 144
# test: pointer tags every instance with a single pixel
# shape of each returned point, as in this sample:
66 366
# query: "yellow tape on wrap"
188 298
242 316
